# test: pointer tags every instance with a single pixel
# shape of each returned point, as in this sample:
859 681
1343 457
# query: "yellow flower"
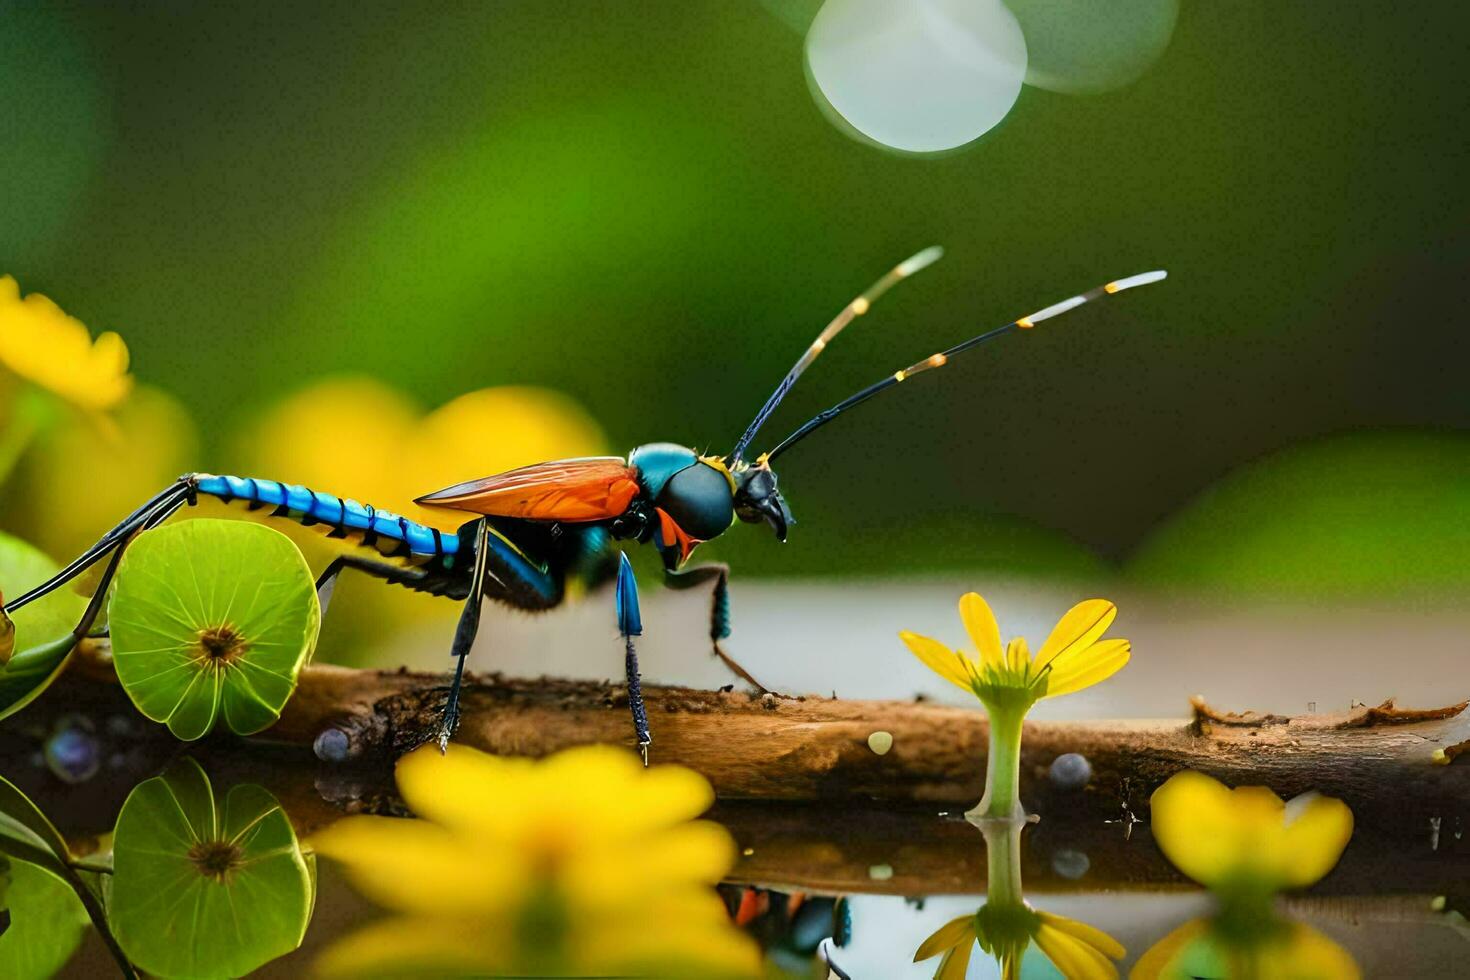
360 438
1198 950
1247 837
1078 950
583 863
151 440
42 345
1074 657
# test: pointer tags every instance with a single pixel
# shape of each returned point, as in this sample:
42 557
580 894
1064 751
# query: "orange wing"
595 488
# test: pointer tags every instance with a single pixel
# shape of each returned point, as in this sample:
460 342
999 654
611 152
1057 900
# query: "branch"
1379 760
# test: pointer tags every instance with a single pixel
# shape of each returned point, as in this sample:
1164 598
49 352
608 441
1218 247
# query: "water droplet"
1070 864
1070 770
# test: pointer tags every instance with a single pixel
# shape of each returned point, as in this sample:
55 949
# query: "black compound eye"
698 499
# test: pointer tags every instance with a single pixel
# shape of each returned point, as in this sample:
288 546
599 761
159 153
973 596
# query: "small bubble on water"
1070 864
73 755
1070 770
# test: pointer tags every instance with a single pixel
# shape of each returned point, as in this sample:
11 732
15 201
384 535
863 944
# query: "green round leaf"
46 922
202 888
212 617
42 630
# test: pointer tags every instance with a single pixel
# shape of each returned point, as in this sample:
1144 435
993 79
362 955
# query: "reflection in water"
1006 925
1246 845
188 863
581 864
795 930
168 895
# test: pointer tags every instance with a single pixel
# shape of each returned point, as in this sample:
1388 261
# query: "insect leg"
151 513
719 619
326 583
630 624
464 633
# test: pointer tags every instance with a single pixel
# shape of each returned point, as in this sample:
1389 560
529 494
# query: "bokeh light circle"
921 76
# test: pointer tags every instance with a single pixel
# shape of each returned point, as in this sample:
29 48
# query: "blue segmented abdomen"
393 536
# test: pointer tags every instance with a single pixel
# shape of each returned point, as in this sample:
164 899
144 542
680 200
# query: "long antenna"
942 358
849 312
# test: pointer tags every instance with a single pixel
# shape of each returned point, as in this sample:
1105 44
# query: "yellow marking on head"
900 375
860 305
1025 323
1110 288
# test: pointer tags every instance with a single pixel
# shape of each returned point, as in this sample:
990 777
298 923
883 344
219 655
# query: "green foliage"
212 617
42 630
1365 516
46 922
204 887
39 865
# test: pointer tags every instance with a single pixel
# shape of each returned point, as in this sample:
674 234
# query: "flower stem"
1002 799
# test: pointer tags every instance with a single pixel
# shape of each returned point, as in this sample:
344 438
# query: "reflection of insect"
791 927
539 525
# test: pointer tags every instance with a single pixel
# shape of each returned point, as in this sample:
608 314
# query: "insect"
537 527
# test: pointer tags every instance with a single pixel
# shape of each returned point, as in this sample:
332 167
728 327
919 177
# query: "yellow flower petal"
1308 953
415 866
939 658
1018 657
40 343
980 624
1091 935
439 946
956 963
1082 626
698 852
947 936
1317 830
468 791
1194 824
1158 962
1074 958
1086 667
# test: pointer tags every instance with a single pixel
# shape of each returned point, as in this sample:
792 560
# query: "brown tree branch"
1380 760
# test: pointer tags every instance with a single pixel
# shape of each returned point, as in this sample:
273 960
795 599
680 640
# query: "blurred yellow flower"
581 864
1247 836
1009 681
66 506
40 344
1073 657
1198 950
1245 845
360 438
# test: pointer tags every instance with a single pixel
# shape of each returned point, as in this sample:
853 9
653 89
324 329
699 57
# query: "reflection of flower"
1245 845
1247 836
1198 950
42 345
583 863
1006 925
1009 681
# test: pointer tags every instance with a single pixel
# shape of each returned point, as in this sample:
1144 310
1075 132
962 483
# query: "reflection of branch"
1379 760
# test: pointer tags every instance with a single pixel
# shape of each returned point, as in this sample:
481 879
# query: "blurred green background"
641 205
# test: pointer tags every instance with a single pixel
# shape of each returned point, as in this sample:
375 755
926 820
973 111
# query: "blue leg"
630 624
